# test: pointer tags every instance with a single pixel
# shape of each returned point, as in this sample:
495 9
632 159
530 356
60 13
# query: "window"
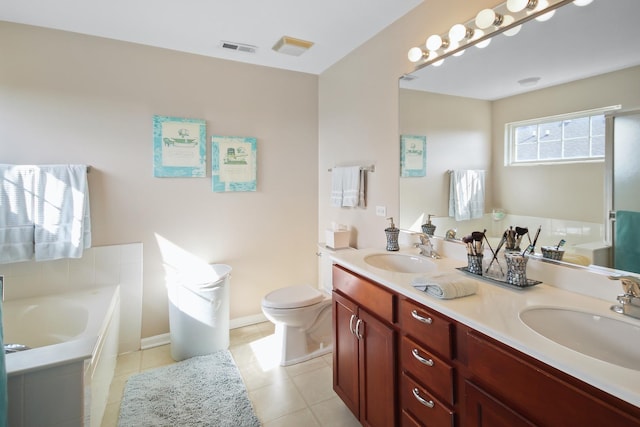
575 137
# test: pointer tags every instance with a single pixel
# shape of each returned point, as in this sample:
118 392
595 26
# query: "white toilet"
302 316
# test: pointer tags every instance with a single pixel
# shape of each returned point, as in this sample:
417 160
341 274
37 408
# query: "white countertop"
494 310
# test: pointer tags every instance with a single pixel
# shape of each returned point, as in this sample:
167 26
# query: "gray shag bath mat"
200 391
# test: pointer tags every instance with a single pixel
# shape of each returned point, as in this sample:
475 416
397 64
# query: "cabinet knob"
415 315
416 354
425 402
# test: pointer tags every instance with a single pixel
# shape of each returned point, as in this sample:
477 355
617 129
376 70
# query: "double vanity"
545 355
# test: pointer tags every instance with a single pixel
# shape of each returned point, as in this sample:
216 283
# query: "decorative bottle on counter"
392 236
428 228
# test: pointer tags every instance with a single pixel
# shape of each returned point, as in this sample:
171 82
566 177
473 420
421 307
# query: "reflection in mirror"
576 64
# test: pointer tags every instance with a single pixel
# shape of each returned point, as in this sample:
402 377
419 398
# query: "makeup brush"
560 243
477 239
495 254
532 246
520 231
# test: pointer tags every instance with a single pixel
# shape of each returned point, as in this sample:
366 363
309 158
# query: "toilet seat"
293 297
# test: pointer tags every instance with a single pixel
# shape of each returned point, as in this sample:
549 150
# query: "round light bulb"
582 2
435 42
520 5
438 63
543 4
457 33
415 54
476 35
508 20
486 18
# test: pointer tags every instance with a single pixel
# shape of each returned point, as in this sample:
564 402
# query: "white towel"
348 187
61 215
337 174
466 194
351 186
16 213
446 285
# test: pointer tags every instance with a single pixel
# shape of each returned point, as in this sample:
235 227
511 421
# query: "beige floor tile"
333 412
304 367
156 357
255 377
274 401
128 363
315 386
116 390
301 418
111 413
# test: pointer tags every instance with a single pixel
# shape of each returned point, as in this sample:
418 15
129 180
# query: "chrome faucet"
426 247
630 300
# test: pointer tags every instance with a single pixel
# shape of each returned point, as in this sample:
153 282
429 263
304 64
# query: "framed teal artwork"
413 155
233 163
179 147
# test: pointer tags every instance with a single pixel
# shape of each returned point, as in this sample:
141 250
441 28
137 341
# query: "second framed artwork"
413 155
233 163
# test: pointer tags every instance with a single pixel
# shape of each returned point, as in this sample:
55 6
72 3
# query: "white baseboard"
164 339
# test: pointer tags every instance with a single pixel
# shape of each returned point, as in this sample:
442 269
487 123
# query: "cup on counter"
516 268
474 264
552 252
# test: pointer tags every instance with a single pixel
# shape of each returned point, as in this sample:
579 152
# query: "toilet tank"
325 274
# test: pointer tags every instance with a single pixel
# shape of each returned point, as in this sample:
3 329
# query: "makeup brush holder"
474 264
516 269
551 252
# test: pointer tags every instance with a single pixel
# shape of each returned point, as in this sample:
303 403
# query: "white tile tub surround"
99 266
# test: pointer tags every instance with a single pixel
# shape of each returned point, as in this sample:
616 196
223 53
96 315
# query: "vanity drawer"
373 297
423 406
427 368
426 327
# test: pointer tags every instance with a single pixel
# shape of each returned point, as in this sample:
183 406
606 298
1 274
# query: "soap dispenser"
428 228
392 236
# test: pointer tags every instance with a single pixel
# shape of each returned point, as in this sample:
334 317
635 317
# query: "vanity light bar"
487 23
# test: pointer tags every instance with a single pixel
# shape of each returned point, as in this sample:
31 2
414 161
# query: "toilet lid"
292 297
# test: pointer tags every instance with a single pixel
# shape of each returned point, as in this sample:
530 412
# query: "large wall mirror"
583 58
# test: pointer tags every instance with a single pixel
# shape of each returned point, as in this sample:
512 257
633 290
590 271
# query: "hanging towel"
337 174
61 214
351 186
626 252
466 194
16 213
445 286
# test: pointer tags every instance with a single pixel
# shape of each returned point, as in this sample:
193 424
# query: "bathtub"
64 378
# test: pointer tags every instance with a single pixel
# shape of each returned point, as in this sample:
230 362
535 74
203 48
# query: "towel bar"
371 168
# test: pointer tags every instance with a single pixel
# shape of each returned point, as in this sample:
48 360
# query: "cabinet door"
377 372
483 409
345 353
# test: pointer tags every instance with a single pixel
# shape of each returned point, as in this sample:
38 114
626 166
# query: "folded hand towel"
351 186
445 286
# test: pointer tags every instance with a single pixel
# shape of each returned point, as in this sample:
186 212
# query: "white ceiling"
198 26
577 42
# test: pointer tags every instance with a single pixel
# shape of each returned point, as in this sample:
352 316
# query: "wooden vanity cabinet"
399 362
364 348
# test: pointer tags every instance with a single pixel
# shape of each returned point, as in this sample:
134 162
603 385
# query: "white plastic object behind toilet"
302 317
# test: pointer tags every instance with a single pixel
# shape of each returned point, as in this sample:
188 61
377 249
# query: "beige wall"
571 191
67 98
359 113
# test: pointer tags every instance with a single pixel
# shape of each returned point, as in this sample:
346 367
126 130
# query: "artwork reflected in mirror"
463 109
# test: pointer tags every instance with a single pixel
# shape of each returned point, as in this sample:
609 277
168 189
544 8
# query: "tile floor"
296 395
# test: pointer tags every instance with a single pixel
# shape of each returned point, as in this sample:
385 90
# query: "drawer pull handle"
428 362
353 316
427 403
415 315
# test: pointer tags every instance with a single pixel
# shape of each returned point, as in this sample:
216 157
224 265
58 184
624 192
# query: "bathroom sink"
600 337
400 263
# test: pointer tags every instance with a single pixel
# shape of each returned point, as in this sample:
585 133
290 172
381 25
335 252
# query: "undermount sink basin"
600 337
400 263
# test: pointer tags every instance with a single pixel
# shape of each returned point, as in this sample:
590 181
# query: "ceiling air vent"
240 47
